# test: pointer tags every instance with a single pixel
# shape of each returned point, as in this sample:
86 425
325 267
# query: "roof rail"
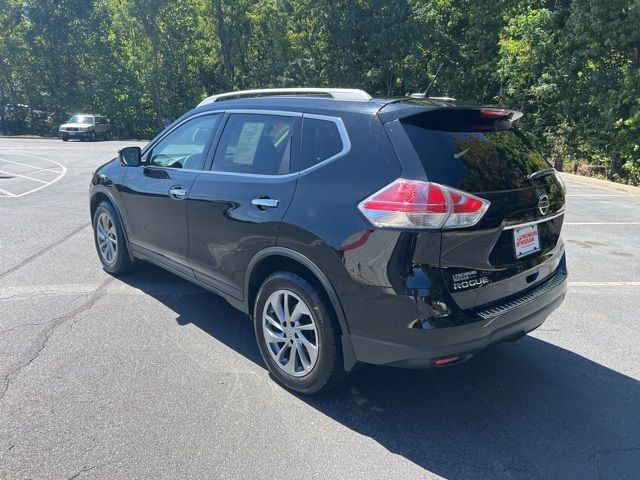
336 93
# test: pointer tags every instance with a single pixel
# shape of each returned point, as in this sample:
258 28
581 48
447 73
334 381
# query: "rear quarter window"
321 140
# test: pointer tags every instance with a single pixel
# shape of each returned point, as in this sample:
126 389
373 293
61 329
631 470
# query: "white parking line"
23 176
597 195
5 193
601 223
31 166
20 292
61 173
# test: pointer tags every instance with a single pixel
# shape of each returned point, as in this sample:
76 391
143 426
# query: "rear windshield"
475 161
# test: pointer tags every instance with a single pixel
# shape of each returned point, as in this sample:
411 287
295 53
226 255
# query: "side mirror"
130 156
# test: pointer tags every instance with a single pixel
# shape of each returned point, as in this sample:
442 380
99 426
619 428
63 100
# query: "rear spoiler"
442 116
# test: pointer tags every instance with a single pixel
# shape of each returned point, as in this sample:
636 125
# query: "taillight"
416 204
466 209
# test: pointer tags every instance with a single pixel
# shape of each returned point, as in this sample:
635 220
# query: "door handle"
265 202
178 192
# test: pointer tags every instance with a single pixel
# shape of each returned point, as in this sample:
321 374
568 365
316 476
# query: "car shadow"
524 410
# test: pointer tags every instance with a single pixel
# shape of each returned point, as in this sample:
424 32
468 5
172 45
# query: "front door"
154 194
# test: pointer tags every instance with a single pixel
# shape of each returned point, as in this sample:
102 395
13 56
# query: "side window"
254 143
320 140
184 146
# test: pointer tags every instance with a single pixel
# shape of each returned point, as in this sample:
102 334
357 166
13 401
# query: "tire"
65 139
119 261
93 136
107 136
319 328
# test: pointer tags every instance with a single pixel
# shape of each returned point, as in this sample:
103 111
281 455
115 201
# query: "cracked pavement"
148 376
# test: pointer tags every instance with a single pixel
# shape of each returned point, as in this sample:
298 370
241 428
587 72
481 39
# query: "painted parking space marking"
28 292
4 193
30 166
601 223
13 174
598 195
20 178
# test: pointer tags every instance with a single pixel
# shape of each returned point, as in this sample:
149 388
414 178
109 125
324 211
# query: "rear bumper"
426 346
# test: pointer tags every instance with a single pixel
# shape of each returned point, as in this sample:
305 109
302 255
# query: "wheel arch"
273 259
99 195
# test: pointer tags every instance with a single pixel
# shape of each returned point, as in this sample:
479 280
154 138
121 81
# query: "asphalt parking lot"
148 376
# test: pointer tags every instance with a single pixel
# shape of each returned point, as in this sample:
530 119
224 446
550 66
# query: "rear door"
154 194
235 209
517 243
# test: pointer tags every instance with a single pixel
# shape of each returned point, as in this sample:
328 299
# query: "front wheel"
297 333
110 240
93 136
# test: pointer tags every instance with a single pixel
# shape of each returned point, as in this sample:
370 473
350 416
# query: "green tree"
572 66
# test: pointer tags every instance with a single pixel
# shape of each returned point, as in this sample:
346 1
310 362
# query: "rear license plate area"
526 240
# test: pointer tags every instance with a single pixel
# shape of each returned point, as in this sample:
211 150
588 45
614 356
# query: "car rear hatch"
516 245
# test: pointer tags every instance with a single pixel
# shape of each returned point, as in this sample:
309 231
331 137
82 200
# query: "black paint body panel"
392 289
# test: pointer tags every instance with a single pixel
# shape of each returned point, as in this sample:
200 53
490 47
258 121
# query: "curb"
35 137
596 182
28 137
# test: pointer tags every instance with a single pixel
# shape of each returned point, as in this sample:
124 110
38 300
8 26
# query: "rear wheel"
297 333
110 240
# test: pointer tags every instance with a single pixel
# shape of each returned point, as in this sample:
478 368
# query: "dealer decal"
464 280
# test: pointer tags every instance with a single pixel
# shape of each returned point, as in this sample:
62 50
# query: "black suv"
406 232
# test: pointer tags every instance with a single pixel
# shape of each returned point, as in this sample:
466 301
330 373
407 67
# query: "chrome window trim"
238 174
535 222
188 170
253 175
254 111
342 130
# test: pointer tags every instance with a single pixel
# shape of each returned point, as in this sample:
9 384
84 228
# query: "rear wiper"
541 173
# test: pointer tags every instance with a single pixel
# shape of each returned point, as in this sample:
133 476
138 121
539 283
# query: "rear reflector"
446 361
416 204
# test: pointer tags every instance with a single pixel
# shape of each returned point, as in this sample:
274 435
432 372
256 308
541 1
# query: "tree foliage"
572 66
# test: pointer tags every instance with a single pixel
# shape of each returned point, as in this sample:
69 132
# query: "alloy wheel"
290 333
107 238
